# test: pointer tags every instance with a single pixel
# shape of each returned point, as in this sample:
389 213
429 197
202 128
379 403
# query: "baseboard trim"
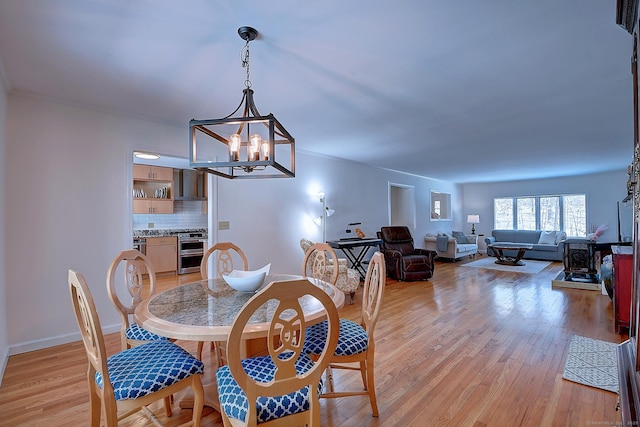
52 341
3 364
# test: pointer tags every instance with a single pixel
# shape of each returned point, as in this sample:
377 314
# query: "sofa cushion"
547 238
460 237
516 236
545 248
504 235
466 247
560 236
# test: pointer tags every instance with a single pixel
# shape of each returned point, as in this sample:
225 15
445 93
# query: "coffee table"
503 259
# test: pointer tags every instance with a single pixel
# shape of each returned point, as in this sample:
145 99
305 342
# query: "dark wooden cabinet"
622 279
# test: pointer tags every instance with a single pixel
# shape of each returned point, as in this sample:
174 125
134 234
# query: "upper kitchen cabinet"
152 189
155 173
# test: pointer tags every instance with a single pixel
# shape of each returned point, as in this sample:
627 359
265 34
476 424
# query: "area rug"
592 362
530 266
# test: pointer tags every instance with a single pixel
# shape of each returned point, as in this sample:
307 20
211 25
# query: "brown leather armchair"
402 259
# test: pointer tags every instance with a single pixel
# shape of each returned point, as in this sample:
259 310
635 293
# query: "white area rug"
530 266
593 363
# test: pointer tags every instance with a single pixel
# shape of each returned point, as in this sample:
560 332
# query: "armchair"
403 260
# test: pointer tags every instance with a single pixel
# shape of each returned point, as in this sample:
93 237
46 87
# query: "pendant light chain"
245 63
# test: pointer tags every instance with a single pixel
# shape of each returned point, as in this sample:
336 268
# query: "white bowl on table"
247 281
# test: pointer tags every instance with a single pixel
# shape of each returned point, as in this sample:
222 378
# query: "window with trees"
556 212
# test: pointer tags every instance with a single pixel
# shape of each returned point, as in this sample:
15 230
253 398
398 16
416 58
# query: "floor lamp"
326 213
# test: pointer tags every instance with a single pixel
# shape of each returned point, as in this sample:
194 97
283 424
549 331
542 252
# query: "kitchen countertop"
167 233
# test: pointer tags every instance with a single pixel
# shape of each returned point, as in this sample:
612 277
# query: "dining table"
204 310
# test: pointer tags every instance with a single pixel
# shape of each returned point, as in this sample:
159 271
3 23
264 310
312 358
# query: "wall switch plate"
224 225
151 224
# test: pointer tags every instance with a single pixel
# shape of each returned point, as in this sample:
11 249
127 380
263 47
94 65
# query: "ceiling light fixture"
146 156
250 144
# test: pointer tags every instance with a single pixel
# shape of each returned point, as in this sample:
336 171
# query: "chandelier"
243 147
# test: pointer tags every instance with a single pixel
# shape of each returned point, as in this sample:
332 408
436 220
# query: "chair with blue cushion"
226 257
318 262
283 387
133 264
348 279
355 343
128 381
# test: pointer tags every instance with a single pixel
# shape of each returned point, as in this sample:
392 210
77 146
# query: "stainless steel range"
190 252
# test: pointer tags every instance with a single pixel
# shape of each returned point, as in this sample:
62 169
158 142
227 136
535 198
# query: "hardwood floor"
469 347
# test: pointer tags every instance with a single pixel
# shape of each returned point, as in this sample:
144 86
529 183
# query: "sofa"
452 247
549 248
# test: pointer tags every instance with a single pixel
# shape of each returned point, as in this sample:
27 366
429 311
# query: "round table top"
205 310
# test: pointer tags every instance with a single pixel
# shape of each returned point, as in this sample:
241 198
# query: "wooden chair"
317 261
356 343
128 381
133 264
225 261
228 257
286 379
348 278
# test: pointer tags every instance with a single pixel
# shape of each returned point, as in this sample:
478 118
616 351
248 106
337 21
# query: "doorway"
402 205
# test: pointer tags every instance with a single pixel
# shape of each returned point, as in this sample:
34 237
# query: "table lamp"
473 220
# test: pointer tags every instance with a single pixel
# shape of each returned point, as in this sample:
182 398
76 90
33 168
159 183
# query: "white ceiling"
464 91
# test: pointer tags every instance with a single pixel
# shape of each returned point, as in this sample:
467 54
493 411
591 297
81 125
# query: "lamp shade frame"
473 219
236 169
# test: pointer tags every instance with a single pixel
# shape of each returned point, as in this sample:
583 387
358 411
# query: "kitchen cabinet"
156 173
622 279
163 253
152 190
152 206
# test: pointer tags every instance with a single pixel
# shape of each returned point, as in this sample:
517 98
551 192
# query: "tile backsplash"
186 214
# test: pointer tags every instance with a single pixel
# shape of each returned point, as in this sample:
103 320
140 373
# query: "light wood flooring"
469 347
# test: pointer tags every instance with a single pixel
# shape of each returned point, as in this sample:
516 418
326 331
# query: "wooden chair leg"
167 406
363 373
329 379
199 351
371 388
95 408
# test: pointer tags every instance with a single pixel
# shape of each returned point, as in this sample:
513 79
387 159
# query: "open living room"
497 140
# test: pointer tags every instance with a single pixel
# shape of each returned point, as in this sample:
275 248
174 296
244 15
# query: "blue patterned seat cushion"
136 332
145 369
234 402
353 338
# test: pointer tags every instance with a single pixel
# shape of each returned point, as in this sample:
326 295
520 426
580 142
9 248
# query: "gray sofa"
454 249
547 252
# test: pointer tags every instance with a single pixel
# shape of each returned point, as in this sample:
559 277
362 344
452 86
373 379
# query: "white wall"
602 191
68 205
4 345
